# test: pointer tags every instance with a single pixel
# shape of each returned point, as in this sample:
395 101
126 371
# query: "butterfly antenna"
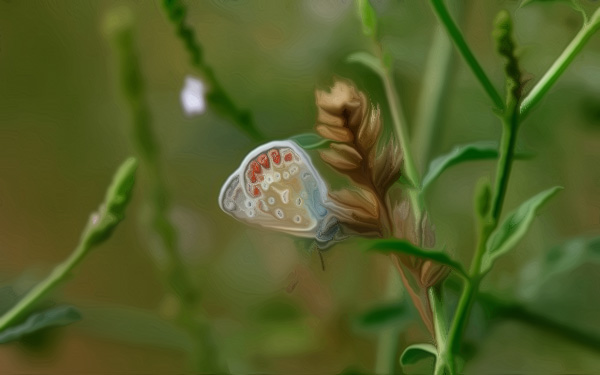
322 260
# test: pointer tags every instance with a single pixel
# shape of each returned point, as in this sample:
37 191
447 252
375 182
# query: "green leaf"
560 260
310 141
514 227
369 61
384 316
368 17
405 247
53 317
417 352
470 152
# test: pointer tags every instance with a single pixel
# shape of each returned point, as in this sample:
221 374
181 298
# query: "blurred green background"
64 128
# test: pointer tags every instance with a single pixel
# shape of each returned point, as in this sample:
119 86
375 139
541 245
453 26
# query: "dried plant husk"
360 152
418 274
373 162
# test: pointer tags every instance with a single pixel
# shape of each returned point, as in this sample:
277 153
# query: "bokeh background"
64 127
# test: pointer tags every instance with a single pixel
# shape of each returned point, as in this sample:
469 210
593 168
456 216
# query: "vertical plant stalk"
388 342
489 220
218 99
434 93
401 131
459 41
99 228
561 64
120 32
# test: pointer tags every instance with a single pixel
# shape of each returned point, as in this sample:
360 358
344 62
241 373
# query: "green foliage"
384 316
367 17
119 30
369 61
217 98
310 141
406 247
417 352
561 260
514 227
464 49
502 34
53 317
102 223
459 154
99 228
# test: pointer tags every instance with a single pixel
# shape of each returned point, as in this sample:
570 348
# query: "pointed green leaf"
514 227
310 141
53 317
469 152
560 260
405 247
417 352
367 17
369 61
483 150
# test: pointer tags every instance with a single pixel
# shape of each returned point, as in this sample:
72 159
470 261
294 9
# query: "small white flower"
192 96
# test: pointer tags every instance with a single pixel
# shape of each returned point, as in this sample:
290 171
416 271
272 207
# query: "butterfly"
277 187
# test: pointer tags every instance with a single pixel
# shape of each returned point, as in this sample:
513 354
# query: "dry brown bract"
373 163
346 117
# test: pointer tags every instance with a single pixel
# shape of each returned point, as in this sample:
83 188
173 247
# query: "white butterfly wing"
277 187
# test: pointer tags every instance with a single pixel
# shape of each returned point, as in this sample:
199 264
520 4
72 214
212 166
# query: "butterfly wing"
277 187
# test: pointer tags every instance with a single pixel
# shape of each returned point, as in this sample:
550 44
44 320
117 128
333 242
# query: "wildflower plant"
382 207
373 161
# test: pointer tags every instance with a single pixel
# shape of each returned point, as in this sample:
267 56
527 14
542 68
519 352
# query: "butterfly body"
277 187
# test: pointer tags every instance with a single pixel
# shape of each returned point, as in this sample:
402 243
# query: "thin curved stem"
561 64
459 41
99 228
434 91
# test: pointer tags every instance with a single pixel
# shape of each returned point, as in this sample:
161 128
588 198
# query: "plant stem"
218 99
434 91
99 228
561 64
174 270
444 361
401 131
459 41
489 222
388 340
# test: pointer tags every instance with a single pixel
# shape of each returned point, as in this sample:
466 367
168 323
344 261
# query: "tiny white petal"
192 96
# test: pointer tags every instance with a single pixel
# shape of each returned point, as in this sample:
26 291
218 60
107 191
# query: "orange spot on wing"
275 156
251 176
255 166
287 156
263 160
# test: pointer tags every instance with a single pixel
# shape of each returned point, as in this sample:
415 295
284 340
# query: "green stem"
462 46
58 275
99 228
175 273
434 93
388 343
561 64
218 99
401 131
444 361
